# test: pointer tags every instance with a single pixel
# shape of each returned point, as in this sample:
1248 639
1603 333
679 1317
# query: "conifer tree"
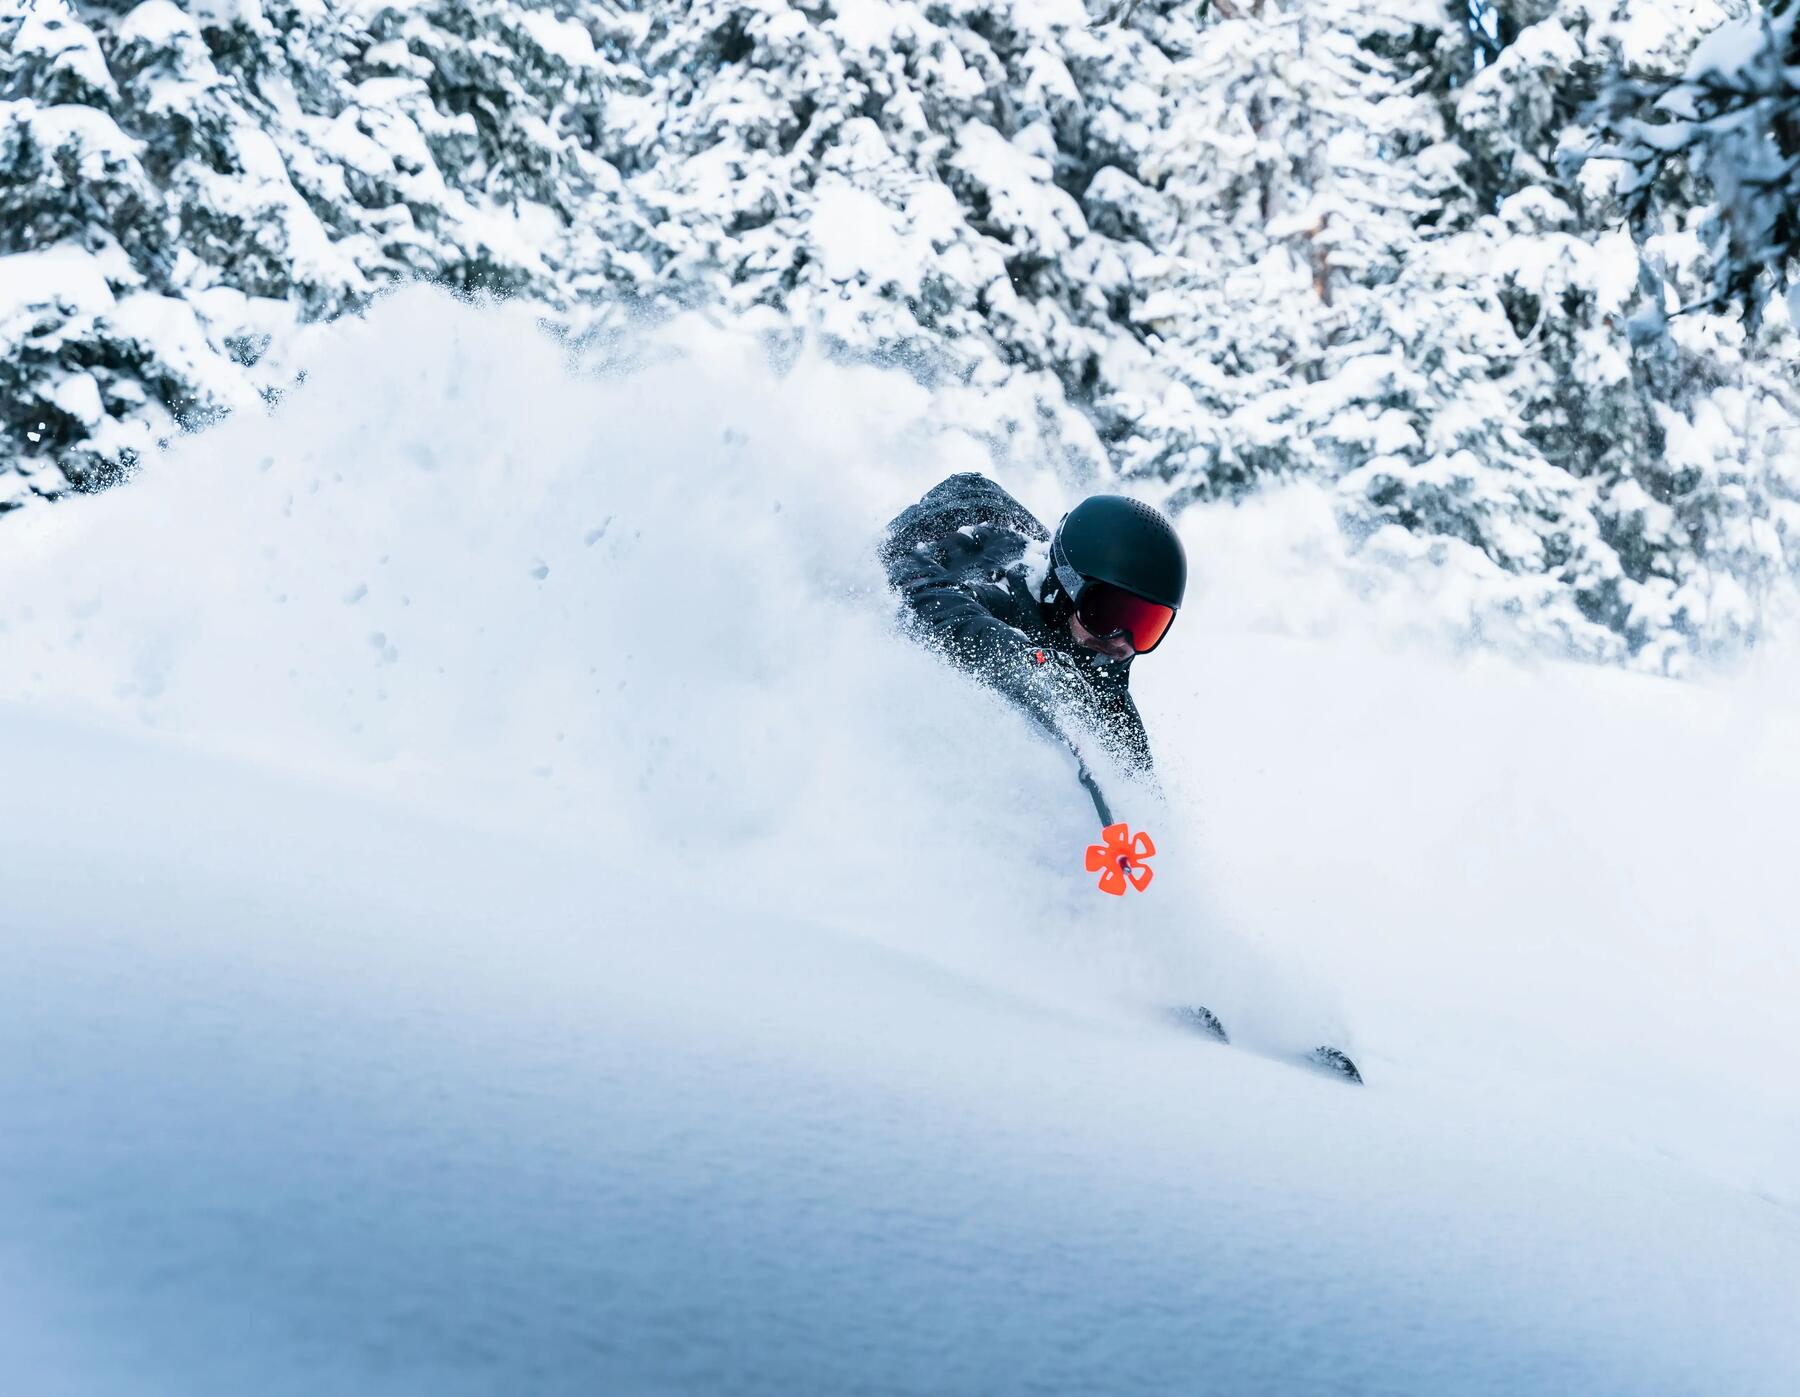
1202 248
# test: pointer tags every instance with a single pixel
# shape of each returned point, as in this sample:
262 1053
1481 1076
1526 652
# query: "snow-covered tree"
181 189
1198 246
1729 119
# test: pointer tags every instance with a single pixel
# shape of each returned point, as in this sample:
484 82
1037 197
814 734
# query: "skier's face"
1117 647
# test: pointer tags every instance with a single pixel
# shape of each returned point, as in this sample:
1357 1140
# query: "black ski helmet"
1109 538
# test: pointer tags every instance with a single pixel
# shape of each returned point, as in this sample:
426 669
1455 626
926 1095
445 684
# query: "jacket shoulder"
958 502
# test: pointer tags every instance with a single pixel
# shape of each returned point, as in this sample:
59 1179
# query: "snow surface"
491 904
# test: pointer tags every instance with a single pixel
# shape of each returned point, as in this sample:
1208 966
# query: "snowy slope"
483 912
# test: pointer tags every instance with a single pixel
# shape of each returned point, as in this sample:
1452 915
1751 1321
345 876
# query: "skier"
1054 628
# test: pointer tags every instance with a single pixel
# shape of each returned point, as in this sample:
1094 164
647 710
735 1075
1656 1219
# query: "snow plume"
641 612
488 885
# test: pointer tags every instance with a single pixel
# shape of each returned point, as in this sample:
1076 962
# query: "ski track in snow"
492 905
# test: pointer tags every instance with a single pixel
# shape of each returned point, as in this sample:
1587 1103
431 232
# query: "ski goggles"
1106 611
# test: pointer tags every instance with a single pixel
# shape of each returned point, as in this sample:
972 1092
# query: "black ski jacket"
959 559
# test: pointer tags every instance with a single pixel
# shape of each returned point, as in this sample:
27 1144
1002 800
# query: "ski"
1199 1019
1334 1062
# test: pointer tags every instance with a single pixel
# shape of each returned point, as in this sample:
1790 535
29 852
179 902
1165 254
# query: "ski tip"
1336 1062
1201 1020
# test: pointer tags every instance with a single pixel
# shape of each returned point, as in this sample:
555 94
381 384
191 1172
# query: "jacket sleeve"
957 502
931 579
951 617
1125 727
